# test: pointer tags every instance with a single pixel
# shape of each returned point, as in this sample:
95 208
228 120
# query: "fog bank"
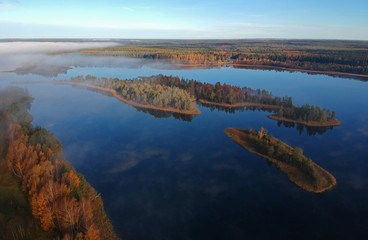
48 47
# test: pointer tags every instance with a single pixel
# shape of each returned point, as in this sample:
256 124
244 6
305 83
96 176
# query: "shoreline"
271 67
257 66
244 104
134 104
330 123
295 175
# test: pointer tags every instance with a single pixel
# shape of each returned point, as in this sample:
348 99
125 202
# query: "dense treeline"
337 56
144 92
221 93
169 91
266 144
16 220
307 113
61 200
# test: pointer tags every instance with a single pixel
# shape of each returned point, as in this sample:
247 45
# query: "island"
223 95
178 95
42 195
307 115
291 161
232 97
141 94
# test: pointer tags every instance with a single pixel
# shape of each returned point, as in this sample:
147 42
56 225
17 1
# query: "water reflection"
311 131
232 110
276 69
165 114
154 112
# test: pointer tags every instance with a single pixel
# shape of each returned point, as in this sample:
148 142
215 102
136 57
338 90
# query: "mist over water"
29 47
50 58
164 178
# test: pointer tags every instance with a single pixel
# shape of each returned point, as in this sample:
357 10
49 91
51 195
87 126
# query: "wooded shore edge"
135 104
256 66
56 201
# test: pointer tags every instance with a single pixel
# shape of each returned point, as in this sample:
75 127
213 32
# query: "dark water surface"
164 178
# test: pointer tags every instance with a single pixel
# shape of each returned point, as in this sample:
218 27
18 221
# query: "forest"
144 92
169 91
314 55
300 169
224 93
60 199
307 113
266 144
221 93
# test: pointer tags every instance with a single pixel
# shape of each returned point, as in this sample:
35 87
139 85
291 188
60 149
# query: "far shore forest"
329 56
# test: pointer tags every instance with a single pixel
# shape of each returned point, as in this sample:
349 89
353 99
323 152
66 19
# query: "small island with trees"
223 95
291 161
141 94
308 115
228 96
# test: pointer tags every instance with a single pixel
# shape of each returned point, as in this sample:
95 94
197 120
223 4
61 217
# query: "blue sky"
322 19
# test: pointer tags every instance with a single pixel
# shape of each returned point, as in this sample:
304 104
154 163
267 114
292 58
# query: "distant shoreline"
301 70
330 123
325 179
257 66
135 104
271 67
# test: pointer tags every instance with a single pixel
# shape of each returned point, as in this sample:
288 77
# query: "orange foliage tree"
48 185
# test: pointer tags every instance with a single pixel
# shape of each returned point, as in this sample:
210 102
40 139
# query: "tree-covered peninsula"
228 96
300 169
178 95
308 115
142 94
223 94
41 195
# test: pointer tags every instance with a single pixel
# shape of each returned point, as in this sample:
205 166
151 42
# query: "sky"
190 19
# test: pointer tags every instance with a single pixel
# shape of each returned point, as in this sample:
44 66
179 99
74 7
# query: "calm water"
164 178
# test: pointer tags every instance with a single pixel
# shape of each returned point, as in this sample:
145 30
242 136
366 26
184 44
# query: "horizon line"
183 39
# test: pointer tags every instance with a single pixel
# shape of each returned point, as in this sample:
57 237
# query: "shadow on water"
165 114
232 110
311 131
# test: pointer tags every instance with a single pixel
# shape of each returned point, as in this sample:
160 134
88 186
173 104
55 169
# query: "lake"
166 178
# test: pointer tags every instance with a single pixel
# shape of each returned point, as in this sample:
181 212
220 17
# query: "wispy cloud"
6 6
9 5
128 9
